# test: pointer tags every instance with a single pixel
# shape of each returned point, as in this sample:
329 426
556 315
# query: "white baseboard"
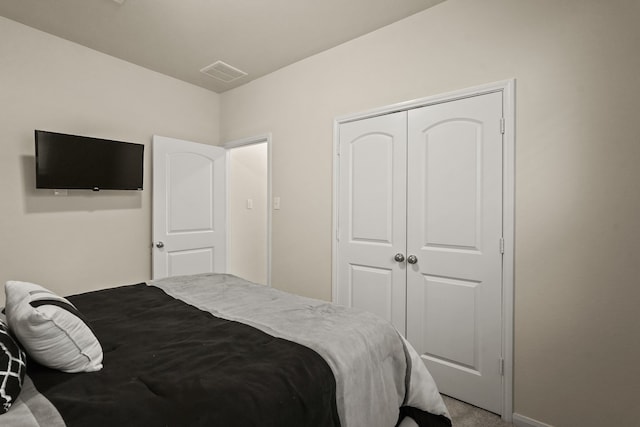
522 421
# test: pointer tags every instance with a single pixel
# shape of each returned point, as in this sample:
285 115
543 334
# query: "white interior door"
372 216
189 208
454 218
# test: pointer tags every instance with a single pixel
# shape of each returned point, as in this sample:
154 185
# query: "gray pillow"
50 329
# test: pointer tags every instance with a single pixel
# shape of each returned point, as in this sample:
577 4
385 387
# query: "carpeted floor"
465 415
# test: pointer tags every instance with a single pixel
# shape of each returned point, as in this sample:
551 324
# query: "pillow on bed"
12 368
51 329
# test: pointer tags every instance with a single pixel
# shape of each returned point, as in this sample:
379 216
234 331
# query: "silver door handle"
399 257
412 259
159 245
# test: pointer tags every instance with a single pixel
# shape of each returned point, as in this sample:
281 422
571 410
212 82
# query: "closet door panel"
372 216
452 210
454 223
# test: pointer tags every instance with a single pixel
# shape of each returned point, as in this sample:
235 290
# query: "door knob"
412 259
399 257
159 245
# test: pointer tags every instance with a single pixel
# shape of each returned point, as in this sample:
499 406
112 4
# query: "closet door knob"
160 245
399 257
412 259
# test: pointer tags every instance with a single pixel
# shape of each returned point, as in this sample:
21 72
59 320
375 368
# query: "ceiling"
180 37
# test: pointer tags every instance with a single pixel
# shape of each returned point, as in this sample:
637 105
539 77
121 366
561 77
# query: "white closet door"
454 230
372 216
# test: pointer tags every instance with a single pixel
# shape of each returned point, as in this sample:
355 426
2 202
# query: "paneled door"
372 216
419 235
189 208
454 223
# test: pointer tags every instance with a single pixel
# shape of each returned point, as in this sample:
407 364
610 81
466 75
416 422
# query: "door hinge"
502 125
502 245
501 362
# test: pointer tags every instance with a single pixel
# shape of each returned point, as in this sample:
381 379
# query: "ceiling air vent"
223 71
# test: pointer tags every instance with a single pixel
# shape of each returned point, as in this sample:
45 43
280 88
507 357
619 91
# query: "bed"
216 350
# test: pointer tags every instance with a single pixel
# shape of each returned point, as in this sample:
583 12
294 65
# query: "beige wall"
85 240
247 251
577 176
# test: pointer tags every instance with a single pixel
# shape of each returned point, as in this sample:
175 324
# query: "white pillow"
51 329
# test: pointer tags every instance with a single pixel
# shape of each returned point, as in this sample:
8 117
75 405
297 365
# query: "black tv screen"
79 162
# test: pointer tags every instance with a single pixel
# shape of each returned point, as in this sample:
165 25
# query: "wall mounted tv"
79 162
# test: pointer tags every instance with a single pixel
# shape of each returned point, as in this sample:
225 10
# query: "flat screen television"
79 162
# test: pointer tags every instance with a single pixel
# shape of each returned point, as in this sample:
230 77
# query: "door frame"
507 87
258 139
